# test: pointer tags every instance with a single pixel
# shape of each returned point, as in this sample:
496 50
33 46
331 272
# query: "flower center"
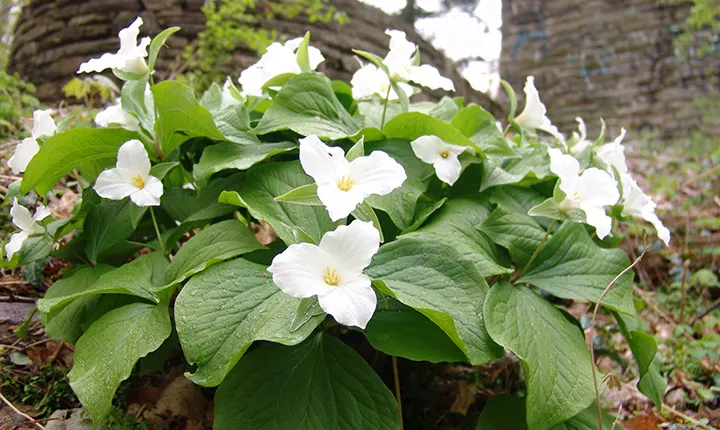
138 181
444 154
331 276
345 183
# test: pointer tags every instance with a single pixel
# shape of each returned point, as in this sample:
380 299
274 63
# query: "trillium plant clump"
420 227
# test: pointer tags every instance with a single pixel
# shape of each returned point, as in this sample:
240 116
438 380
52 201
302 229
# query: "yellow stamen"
138 181
331 276
345 183
444 154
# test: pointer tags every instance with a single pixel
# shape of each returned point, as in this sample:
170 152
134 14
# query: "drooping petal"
133 157
106 61
130 56
150 194
427 148
581 142
351 303
613 155
596 217
534 116
15 243
376 174
565 166
662 231
21 216
352 246
448 169
370 80
299 270
117 116
113 184
399 59
41 212
252 80
597 188
428 76
325 164
128 37
24 152
638 204
339 203
43 124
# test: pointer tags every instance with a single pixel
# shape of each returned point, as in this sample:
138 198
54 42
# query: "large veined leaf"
644 349
307 104
89 149
434 279
107 225
231 155
219 242
411 125
106 354
508 413
443 110
572 266
320 384
224 309
268 181
517 232
479 125
558 369
532 166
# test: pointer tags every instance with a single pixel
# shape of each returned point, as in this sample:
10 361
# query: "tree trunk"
54 36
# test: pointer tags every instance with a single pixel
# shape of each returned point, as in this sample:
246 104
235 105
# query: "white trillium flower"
638 204
332 271
343 184
115 115
43 126
581 142
612 155
131 177
277 60
534 116
28 225
370 80
130 58
589 192
442 155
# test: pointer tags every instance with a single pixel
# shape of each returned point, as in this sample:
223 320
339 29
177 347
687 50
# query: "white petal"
448 169
15 244
427 148
133 157
43 124
113 184
533 116
352 246
41 212
252 80
228 95
24 152
325 164
399 59
316 57
128 37
116 115
597 188
376 174
106 61
597 218
150 194
370 80
662 231
339 203
298 271
21 216
565 166
613 155
428 76
351 303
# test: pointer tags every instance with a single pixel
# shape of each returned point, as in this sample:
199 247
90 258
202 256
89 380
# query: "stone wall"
54 36
609 58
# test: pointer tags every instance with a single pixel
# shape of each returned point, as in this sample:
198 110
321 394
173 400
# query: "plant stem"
537 250
387 100
157 230
683 297
397 389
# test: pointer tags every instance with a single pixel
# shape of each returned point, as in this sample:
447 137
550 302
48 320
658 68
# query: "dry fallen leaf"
642 422
465 397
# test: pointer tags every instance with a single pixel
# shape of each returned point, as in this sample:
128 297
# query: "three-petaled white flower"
43 126
28 225
442 155
332 272
131 177
278 59
115 115
589 192
343 184
401 66
534 116
130 58
612 155
638 204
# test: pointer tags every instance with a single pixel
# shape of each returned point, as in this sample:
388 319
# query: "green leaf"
303 58
649 362
180 116
230 155
433 278
157 43
307 104
264 183
557 365
320 384
505 412
134 101
219 242
401 331
587 420
33 249
138 278
443 110
92 148
106 225
479 125
517 232
532 166
303 195
365 212
357 150
224 309
376 60
411 125
513 99
106 354
572 266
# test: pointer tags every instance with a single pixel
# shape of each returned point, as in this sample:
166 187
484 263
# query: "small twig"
715 305
535 254
703 175
397 389
686 417
683 291
650 302
19 412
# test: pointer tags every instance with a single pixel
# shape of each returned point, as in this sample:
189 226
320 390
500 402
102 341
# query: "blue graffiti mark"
525 36
588 70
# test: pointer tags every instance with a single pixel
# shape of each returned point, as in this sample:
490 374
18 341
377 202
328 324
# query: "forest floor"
676 288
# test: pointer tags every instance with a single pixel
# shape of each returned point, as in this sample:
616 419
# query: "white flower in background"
638 204
580 137
534 116
43 126
28 225
343 184
279 59
442 155
115 115
129 59
400 64
228 95
332 271
131 177
612 155
589 192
